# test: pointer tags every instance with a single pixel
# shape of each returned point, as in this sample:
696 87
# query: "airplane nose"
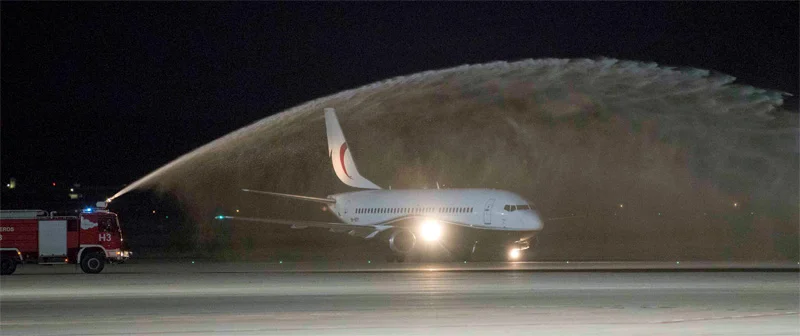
533 221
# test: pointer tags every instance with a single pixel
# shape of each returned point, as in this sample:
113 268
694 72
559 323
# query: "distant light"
735 204
237 210
431 230
89 210
108 200
369 261
192 261
220 217
71 190
621 205
8 185
54 184
678 262
465 261
514 254
280 262
166 216
154 211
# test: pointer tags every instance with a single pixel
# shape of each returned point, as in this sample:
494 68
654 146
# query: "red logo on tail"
342 150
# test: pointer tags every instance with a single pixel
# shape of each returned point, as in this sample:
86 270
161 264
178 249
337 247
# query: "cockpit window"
511 208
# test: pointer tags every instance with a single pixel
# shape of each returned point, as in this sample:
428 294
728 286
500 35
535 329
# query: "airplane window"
523 207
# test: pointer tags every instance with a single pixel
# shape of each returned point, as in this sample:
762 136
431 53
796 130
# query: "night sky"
103 93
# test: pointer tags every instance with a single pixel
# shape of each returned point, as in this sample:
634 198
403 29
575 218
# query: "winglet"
342 160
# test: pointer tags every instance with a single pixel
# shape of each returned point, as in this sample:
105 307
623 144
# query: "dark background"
96 95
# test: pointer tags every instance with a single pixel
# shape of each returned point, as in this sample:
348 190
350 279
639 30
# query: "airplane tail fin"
342 160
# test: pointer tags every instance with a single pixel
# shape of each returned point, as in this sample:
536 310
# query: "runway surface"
449 299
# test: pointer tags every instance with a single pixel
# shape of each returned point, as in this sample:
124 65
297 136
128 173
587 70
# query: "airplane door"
487 212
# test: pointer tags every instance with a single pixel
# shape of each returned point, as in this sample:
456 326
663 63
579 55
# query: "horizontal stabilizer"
300 197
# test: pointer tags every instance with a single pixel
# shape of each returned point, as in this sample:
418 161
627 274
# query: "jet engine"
402 241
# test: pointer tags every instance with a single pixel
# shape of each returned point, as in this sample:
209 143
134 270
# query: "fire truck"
90 239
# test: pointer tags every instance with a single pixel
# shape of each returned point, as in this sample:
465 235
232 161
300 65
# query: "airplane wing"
364 231
300 197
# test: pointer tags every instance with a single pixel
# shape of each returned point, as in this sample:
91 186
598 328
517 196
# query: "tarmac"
185 298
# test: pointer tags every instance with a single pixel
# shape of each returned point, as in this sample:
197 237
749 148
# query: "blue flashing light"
89 210
220 217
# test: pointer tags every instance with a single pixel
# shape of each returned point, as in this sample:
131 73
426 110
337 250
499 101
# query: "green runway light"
220 217
280 262
369 261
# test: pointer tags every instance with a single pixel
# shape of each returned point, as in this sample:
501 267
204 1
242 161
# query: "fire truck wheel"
7 266
93 263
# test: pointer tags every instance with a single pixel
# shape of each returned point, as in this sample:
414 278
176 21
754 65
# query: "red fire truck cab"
91 239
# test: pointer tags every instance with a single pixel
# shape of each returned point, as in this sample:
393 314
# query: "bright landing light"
431 230
514 254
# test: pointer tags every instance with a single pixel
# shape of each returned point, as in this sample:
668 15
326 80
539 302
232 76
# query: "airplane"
457 219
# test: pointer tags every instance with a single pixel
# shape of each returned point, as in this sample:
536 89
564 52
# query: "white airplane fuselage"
485 209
